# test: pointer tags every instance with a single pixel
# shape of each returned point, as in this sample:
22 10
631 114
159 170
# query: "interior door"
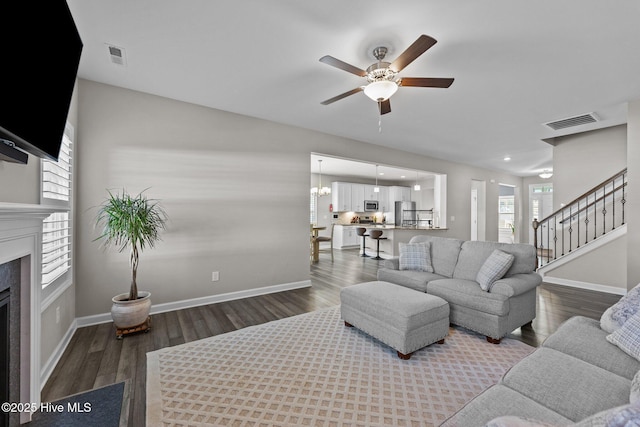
474 214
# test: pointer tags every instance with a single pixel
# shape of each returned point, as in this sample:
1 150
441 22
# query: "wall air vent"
117 55
573 121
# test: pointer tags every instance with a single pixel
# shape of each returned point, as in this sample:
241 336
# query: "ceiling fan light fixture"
381 90
546 174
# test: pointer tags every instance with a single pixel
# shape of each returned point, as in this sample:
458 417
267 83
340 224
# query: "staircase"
594 217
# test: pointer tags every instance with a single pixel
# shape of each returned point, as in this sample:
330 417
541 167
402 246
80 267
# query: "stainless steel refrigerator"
405 214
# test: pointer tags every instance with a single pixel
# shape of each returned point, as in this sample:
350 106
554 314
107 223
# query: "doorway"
506 213
478 210
540 203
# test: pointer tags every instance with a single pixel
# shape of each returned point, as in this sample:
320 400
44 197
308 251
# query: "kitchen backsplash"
346 217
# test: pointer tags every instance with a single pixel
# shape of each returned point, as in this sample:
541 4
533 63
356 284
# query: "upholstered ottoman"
402 318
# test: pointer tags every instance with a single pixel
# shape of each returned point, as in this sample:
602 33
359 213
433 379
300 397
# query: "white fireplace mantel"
21 238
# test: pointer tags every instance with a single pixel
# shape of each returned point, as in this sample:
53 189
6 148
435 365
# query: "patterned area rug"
311 370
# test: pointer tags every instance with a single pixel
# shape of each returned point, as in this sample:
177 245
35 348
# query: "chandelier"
320 190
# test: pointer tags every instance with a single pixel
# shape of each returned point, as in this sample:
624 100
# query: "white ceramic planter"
127 314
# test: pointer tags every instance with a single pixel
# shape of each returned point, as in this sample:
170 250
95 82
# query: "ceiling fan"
382 77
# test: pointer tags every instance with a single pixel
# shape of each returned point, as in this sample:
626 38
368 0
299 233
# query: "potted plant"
134 223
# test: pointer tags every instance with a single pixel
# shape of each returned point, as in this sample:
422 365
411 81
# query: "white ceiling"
517 64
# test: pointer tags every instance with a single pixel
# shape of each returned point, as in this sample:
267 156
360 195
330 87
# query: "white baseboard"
50 365
585 285
195 302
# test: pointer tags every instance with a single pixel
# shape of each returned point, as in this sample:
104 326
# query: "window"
56 229
313 209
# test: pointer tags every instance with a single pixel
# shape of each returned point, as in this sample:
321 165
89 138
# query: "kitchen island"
345 237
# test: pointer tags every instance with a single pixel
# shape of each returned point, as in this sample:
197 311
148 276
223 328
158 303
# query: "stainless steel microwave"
371 206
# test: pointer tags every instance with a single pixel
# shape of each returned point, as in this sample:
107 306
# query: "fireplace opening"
5 298
10 340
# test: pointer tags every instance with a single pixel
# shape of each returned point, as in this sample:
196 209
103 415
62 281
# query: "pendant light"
320 190
376 189
417 186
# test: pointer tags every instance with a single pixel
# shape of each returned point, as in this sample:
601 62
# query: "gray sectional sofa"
576 378
511 301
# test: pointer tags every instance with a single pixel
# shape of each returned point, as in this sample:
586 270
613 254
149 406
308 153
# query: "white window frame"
63 279
313 208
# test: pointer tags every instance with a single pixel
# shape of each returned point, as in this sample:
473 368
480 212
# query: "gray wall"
580 162
584 160
236 189
633 196
603 266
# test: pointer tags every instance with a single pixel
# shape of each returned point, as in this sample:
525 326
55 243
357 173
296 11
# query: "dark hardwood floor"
94 358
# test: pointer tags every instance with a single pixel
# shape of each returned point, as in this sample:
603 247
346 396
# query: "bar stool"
361 232
377 234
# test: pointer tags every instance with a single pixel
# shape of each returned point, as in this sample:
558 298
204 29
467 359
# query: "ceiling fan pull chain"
379 117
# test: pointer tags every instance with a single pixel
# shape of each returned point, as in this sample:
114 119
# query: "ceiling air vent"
117 55
583 119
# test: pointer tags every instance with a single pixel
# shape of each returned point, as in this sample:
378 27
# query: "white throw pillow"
415 256
607 323
634 394
615 316
627 338
493 269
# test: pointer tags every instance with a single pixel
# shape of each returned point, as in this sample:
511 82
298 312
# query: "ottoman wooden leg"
347 324
441 341
404 356
493 340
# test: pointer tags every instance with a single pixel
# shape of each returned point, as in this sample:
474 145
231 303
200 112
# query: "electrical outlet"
57 314
215 276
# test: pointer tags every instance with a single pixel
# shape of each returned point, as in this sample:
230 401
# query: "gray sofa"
511 302
576 378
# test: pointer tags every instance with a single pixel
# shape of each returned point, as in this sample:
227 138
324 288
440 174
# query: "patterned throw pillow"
615 316
621 416
627 338
415 256
607 323
634 394
493 269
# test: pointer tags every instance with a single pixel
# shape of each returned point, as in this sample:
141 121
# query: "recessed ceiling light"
507 158
381 173
402 176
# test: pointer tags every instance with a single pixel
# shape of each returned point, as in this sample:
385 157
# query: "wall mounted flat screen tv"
41 50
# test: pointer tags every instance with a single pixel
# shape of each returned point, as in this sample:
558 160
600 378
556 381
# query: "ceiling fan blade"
384 106
426 82
420 46
330 60
342 95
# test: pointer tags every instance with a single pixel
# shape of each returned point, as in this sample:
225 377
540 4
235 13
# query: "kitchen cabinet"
341 196
345 236
383 200
357 197
369 194
350 197
399 194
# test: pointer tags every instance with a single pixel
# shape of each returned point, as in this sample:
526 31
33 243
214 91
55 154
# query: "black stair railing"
593 214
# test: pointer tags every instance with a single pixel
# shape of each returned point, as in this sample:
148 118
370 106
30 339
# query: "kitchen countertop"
389 226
